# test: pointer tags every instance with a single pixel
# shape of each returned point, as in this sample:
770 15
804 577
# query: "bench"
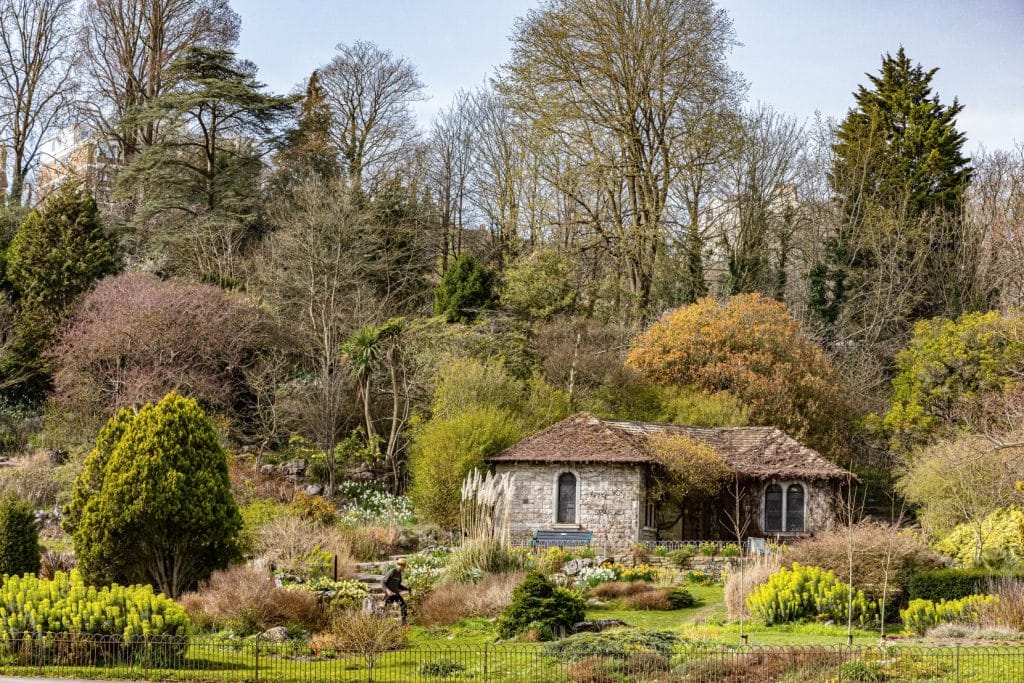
560 539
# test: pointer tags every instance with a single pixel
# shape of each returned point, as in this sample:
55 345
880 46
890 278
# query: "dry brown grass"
1008 611
53 561
619 589
649 600
872 543
33 477
451 602
738 586
247 600
288 541
370 543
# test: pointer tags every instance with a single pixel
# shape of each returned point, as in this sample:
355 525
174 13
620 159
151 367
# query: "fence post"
257 656
486 662
958 663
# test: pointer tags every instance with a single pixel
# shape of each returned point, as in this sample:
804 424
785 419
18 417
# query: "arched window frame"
782 508
554 487
803 507
785 506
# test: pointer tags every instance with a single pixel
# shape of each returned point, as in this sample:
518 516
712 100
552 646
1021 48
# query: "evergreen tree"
898 167
57 254
19 538
153 503
464 291
308 150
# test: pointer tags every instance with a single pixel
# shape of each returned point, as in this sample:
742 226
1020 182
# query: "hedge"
953 584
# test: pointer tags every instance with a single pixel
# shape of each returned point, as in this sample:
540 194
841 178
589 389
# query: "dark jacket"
392 581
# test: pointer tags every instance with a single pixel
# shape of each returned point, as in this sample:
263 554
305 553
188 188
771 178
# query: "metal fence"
253 660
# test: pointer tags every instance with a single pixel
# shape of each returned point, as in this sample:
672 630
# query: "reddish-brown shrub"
619 589
370 543
592 670
135 337
1008 611
650 600
878 549
247 600
451 602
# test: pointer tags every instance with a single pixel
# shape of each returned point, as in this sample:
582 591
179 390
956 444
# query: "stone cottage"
591 474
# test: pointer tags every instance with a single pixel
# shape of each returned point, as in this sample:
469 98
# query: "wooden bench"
560 539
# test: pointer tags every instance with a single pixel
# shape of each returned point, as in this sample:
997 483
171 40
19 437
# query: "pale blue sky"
800 56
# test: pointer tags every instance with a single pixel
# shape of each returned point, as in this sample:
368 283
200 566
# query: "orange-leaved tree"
752 348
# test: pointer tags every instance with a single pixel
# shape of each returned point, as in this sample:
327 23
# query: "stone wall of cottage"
608 500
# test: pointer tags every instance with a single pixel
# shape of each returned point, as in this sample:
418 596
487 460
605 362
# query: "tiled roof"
761 452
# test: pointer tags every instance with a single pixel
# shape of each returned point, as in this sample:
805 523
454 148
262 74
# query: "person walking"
393 587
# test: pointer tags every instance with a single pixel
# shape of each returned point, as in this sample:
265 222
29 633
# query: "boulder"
586 627
610 623
278 634
314 489
575 566
294 468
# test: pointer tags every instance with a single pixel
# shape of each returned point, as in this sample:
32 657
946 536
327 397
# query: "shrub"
449 603
808 593
739 586
592 670
871 543
953 584
619 645
66 604
552 560
155 486
656 599
921 615
537 600
371 542
367 635
680 598
730 550
681 557
246 600
1002 532
619 589
708 549
314 508
19 538
464 291
641 554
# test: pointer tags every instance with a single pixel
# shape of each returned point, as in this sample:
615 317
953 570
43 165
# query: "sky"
801 56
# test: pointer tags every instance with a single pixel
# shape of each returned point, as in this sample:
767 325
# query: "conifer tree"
308 150
464 291
898 168
57 254
153 503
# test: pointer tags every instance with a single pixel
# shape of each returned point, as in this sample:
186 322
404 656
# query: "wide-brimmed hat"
402 562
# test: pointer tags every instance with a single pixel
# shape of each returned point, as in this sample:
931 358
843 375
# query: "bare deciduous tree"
35 83
370 92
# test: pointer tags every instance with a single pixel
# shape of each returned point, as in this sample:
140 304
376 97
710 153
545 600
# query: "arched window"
566 511
794 508
773 508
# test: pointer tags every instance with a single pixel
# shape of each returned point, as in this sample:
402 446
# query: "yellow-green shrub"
920 615
65 604
798 593
1001 531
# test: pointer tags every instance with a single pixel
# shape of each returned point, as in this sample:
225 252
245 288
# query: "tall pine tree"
899 175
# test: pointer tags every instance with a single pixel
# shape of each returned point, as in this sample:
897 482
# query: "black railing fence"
252 660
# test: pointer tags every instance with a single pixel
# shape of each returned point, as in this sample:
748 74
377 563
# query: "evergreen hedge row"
954 584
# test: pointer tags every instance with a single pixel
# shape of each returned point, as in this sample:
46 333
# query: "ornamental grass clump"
809 593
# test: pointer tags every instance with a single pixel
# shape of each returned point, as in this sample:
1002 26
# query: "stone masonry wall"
608 500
